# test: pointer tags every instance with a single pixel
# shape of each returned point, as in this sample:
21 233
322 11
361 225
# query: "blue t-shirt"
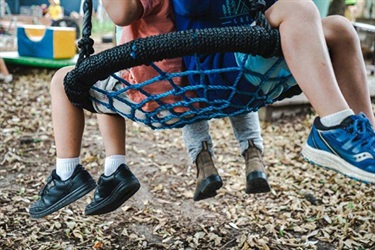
200 14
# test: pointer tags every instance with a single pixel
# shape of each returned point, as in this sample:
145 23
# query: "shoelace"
362 131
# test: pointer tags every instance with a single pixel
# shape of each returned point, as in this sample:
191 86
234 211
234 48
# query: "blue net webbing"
254 84
204 106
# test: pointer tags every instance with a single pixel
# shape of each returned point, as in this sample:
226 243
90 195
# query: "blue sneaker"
348 148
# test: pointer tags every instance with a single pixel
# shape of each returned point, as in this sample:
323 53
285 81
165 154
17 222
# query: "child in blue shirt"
198 14
325 59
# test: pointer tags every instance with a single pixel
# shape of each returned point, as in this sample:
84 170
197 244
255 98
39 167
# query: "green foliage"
104 27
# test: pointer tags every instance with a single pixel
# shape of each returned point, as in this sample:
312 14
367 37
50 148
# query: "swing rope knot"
86 46
86 43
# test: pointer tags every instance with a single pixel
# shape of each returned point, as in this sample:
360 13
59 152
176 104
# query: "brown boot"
208 179
256 177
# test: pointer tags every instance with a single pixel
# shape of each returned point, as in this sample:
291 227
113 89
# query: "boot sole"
70 198
208 187
121 194
256 182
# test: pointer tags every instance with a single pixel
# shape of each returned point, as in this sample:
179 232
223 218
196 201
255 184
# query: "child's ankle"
336 118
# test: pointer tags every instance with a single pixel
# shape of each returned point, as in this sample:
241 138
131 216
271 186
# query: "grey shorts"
100 101
108 97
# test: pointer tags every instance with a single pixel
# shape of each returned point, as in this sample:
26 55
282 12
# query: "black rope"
86 43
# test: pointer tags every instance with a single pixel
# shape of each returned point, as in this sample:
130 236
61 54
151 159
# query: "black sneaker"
113 191
57 194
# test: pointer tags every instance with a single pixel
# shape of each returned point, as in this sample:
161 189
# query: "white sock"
112 163
65 167
336 118
8 78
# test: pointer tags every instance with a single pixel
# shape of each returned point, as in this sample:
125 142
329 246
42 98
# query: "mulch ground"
308 208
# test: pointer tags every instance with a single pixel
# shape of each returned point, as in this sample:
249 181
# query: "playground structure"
57 42
7 39
31 12
29 31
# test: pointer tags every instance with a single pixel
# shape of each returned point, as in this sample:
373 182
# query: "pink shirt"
157 19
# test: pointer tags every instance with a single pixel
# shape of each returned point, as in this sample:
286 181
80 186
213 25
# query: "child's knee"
306 9
57 82
339 29
295 11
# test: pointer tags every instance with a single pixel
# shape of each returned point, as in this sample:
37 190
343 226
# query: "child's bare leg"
118 183
68 120
112 128
348 63
3 67
306 53
339 140
70 180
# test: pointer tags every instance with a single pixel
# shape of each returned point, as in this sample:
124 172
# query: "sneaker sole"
256 182
330 161
121 194
70 198
208 188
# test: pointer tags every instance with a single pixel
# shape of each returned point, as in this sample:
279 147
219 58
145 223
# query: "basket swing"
262 87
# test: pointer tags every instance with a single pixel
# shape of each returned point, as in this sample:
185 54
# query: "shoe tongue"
55 175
